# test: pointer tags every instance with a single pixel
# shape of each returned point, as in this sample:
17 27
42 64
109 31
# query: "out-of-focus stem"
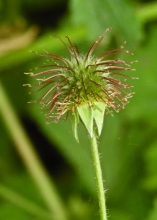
31 159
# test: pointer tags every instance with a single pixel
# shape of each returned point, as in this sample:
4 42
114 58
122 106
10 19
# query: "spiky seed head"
84 85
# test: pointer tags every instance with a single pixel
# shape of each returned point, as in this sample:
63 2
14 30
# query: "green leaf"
98 114
108 13
86 115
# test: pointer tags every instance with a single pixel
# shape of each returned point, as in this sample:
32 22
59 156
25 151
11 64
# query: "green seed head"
86 86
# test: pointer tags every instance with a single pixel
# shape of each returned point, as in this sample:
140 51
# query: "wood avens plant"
84 87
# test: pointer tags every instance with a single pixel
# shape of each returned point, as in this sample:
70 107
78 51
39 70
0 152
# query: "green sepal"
75 121
98 114
86 115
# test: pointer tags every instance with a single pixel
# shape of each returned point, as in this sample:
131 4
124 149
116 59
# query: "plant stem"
99 179
31 159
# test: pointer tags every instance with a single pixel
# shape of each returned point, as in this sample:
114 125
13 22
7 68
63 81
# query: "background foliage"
128 144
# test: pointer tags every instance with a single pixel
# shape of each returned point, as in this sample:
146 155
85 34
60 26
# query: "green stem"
30 158
99 179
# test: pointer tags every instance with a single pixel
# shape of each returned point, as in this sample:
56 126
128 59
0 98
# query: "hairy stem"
99 179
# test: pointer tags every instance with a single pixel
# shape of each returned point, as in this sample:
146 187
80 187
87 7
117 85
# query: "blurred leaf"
22 56
150 181
11 212
7 153
108 13
9 11
153 212
22 183
23 195
81 209
148 11
144 105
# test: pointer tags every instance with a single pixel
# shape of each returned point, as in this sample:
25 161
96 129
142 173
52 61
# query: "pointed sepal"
86 115
98 114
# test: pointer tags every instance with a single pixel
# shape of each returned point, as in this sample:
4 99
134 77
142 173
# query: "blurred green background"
128 144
